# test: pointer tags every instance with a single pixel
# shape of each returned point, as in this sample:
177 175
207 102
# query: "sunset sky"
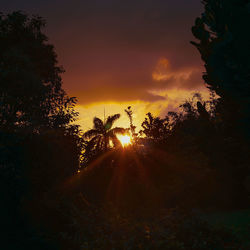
122 53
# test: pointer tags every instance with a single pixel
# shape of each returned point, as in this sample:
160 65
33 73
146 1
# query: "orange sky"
163 99
122 53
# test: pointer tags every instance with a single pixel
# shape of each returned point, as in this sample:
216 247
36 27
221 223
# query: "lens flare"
124 139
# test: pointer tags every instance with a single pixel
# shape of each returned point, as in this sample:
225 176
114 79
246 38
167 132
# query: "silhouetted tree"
129 113
32 101
224 47
197 108
155 127
102 133
31 95
39 148
201 108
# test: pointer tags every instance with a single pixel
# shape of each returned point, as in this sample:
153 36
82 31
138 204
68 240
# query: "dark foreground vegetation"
183 182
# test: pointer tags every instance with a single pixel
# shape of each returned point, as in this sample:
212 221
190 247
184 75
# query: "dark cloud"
189 79
116 94
110 48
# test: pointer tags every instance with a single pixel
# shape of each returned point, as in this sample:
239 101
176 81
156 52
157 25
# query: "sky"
122 53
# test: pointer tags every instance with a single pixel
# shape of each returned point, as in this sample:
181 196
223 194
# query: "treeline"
191 158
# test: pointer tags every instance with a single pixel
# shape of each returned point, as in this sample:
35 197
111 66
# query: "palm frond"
91 144
110 121
91 133
118 130
115 141
90 147
99 143
98 124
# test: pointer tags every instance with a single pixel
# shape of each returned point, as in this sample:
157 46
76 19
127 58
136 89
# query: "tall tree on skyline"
31 94
102 133
129 113
224 47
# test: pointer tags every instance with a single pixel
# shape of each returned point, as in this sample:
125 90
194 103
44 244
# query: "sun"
124 139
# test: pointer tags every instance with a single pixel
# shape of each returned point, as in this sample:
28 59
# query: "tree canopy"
31 95
100 136
224 48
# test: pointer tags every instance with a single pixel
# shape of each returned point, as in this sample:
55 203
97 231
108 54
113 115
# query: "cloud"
116 94
161 71
112 47
121 50
184 78
123 81
173 98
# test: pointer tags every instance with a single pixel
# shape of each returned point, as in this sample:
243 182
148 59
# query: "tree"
224 47
129 113
39 148
102 133
196 108
155 127
31 94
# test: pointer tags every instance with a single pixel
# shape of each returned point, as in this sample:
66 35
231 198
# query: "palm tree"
102 133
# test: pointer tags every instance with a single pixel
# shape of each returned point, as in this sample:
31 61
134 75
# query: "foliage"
101 135
201 131
155 127
88 227
129 113
224 48
31 95
237 221
35 112
39 147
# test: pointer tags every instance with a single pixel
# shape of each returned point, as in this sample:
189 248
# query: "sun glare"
124 139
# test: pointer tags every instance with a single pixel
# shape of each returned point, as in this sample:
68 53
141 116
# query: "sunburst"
125 140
